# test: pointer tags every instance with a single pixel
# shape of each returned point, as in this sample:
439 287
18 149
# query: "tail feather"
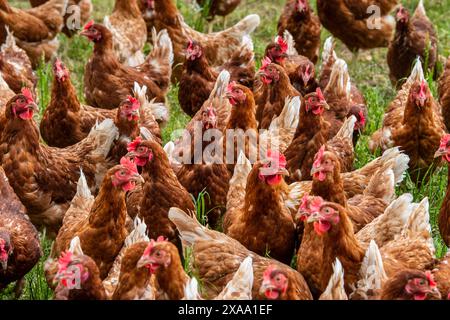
238 181
328 51
158 110
103 135
190 229
83 190
418 224
241 284
340 82
191 290
347 129
382 184
335 289
289 116
247 25
138 234
372 274
221 84
420 9
10 41
417 74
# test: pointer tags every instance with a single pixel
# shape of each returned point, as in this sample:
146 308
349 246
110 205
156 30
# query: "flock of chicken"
119 206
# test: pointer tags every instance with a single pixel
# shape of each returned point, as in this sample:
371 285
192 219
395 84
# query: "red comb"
444 140
130 165
64 260
190 44
132 146
319 157
362 119
89 24
152 244
430 279
277 157
231 86
320 94
283 44
134 102
27 93
265 62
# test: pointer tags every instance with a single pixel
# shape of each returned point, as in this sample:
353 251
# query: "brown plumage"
444 94
410 284
349 21
163 260
329 234
44 178
35 29
216 257
133 281
444 212
129 32
277 88
219 7
66 121
262 223
107 82
219 46
414 37
15 66
441 274
161 191
101 226
300 20
198 77
85 7
20 248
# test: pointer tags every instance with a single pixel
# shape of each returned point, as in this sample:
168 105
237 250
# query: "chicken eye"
422 282
21 100
122 172
158 253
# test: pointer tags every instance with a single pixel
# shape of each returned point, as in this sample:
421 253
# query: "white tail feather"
335 289
347 128
289 116
191 290
82 187
75 246
138 234
241 283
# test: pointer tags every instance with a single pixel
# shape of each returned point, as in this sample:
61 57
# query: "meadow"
368 71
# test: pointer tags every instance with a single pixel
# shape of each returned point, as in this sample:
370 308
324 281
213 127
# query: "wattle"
26 115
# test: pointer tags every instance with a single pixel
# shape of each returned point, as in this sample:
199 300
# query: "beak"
138 178
228 95
4 264
261 73
283 172
440 153
266 285
143 261
85 33
422 101
435 294
33 106
324 104
315 170
313 217
130 155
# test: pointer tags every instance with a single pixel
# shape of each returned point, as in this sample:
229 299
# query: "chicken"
311 134
218 8
35 29
162 259
444 94
413 122
100 224
358 24
129 32
444 212
300 20
66 121
441 274
20 248
107 82
282 52
329 234
355 182
5 95
44 178
15 65
74 275
335 289
216 257
160 191
124 267
411 284
261 222
219 47
277 88
206 176
77 14
198 78
239 287
362 208
414 37
344 100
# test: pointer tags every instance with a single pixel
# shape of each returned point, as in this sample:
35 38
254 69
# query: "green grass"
369 73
